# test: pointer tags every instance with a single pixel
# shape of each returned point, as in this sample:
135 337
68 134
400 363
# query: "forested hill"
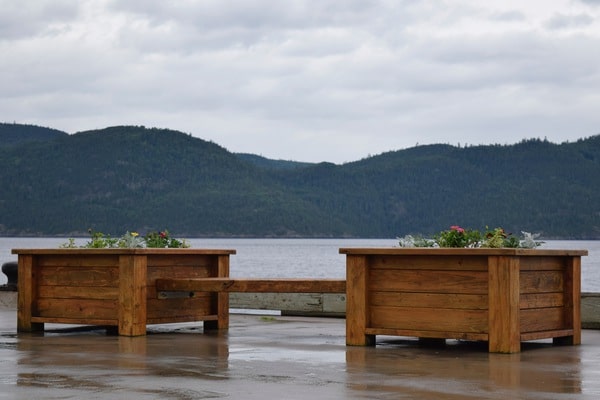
132 178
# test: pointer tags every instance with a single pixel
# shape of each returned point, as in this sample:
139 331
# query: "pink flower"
457 229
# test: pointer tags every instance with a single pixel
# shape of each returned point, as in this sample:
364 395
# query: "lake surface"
305 258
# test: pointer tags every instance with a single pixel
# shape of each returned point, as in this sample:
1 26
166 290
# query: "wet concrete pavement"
275 357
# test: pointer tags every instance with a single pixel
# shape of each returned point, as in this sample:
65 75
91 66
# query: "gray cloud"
306 80
562 21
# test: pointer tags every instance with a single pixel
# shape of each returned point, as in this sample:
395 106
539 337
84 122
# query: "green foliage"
127 177
162 239
458 237
99 240
130 240
497 237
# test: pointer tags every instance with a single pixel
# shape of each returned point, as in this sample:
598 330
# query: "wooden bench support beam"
251 285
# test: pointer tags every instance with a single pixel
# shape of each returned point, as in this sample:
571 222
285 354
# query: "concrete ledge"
590 310
299 304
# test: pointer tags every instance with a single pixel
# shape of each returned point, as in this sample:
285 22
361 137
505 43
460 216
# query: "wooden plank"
466 282
421 262
126 251
75 321
546 334
541 300
357 308
446 251
258 285
181 260
504 323
189 318
177 271
542 319
428 334
541 281
178 307
78 276
76 308
78 292
67 259
132 295
429 319
538 263
429 300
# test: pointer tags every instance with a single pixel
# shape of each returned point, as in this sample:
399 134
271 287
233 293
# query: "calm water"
292 258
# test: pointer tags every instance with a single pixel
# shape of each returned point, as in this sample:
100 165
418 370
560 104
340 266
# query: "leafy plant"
163 239
130 240
460 237
100 241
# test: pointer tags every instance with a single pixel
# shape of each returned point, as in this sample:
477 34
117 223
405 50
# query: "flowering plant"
162 239
460 237
99 240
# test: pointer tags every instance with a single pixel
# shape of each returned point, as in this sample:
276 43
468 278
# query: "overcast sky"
307 80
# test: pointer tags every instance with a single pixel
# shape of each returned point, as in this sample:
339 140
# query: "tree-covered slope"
133 178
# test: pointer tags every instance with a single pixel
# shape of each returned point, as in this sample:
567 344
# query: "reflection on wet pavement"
283 357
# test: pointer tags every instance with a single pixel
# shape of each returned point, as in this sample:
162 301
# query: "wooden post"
132 295
504 319
26 289
221 299
572 307
357 309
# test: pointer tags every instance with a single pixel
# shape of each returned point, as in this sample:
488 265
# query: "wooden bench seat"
251 285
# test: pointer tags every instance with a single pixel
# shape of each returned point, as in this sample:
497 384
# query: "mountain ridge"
135 178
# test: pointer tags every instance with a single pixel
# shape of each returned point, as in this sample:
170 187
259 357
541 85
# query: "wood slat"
419 262
78 292
78 276
253 285
542 319
187 318
178 307
75 321
543 263
541 281
429 300
78 260
547 334
427 319
541 300
177 272
470 282
179 260
76 308
427 334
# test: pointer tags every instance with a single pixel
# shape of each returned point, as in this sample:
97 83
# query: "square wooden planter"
116 287
503 296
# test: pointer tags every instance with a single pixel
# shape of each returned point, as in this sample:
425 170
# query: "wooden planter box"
503 296
116 287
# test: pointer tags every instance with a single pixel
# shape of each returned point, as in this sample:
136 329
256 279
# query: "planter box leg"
504 323
26 296
132 295
357 315
220 300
